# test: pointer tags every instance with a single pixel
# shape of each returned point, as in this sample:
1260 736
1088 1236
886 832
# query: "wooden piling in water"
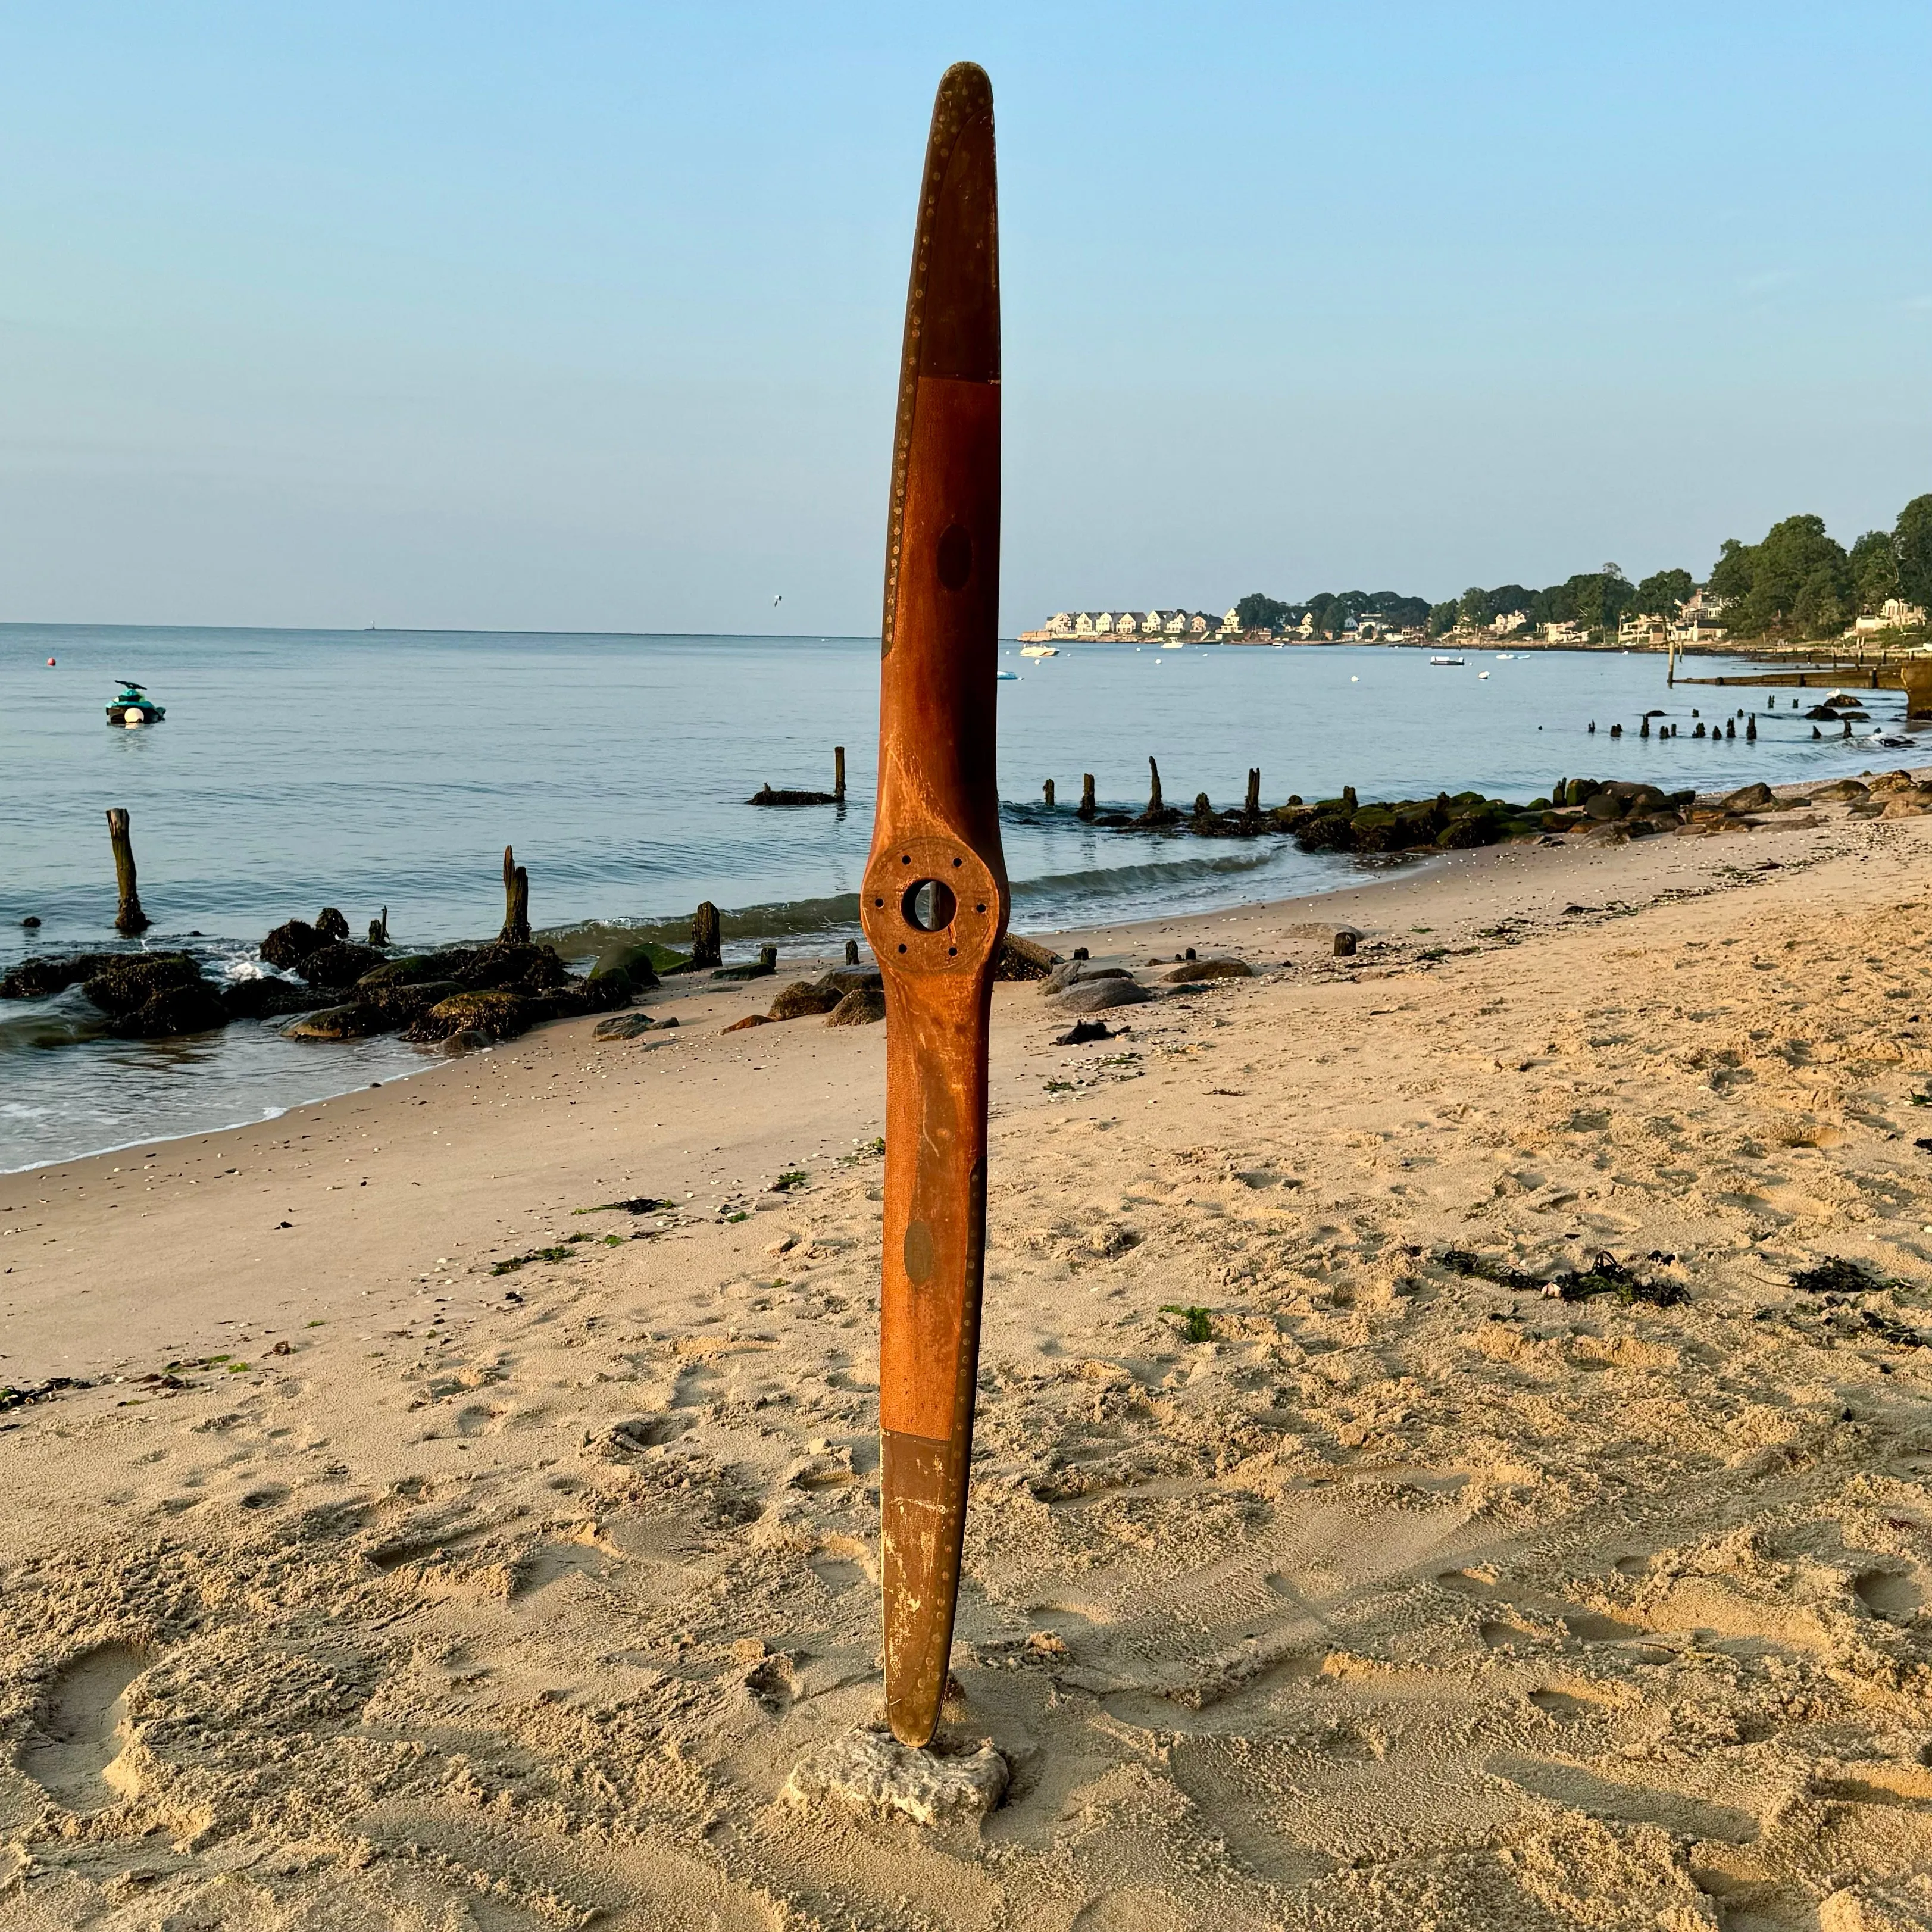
1046 793
1153 796
707 941
1087 795
839 773
129 920
516 901
1252 808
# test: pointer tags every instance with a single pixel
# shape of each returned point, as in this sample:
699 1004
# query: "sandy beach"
434 1546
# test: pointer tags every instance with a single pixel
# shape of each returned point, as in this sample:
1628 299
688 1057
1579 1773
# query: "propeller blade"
935 896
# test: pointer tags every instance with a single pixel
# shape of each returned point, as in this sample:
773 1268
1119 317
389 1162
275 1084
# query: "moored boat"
1445 661
1038 651
133 706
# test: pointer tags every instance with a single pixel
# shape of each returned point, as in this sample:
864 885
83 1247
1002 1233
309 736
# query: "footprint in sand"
1887 1593
1565 1706
81 1729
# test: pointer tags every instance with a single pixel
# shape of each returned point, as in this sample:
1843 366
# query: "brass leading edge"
935 895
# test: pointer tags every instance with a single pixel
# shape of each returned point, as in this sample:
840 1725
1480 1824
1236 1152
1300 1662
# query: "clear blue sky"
580 316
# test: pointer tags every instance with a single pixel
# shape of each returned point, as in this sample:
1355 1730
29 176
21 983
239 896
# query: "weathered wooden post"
1252 808
1918 687
1087 795
379 929
1153 796
516 901
130 919
851 952
1345 944
706 941
1046 793
839 773
1751 728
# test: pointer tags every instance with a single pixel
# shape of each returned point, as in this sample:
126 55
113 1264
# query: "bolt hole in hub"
929 905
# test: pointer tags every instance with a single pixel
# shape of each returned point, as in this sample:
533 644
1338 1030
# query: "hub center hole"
929 904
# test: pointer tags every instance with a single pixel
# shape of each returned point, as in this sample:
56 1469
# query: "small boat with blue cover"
133 706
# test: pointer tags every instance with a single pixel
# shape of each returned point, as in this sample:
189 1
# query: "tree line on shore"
1798 581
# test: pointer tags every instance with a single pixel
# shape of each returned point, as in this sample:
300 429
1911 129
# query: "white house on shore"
1894 614
1188 625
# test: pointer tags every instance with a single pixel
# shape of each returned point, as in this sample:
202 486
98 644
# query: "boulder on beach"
412 968
494 1014
268 998
330 924
804 996
41 978
1193 970
1021 958
396 1006
509 962
1071 972
1095 996
355 1021
1842 789
292 943
1749 798
340 963
190 1005
623 1026
130 980
635 959
860 1007
749 1020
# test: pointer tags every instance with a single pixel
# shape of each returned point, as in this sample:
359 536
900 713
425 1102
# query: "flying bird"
777 600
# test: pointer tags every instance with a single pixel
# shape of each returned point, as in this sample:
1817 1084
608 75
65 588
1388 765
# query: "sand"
365 1586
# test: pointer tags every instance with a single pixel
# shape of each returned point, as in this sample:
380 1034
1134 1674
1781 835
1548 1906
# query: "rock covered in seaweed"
130 980
494 1012
860 1007
41 978
340 963
290 943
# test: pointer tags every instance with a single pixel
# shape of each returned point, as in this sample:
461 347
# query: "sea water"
300 769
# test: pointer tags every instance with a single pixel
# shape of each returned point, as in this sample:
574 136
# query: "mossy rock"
290 943
508 962
495 1014
860 1007
640 959
355 1021
609 988
193 1006
1325 832
132 979
414 969
41 978
341 964
1473 829
804 996
1193 972
398 1005
267 998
